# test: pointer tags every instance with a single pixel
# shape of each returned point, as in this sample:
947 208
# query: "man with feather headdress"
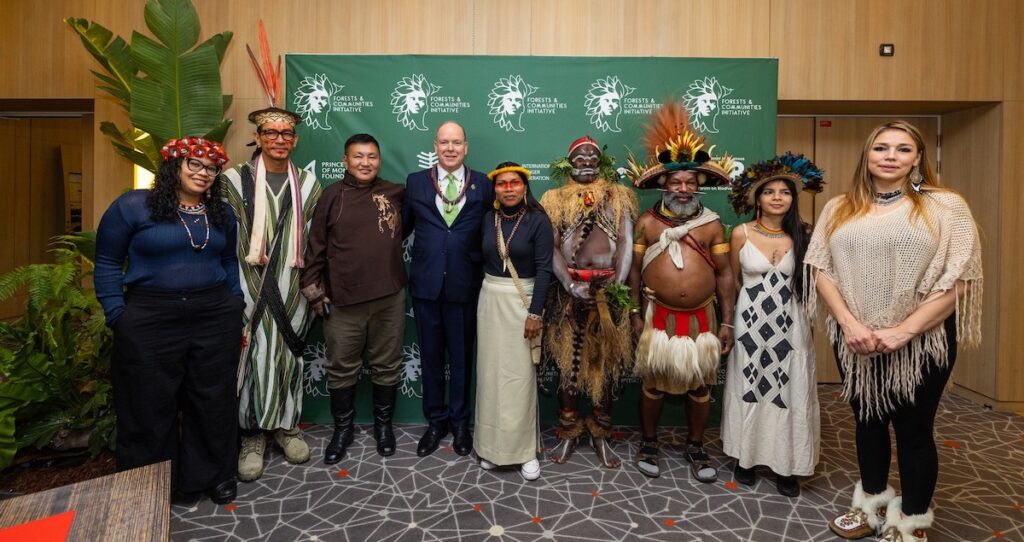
273 201
681 260
587 332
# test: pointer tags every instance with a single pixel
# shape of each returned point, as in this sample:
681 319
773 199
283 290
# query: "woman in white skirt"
518 244
770 415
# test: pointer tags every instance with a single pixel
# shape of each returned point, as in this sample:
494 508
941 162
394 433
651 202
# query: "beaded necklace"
768 232
888 198
197 209
449 204
206 220
499 236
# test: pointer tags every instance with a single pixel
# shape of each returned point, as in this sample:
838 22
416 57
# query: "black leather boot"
344 412
383 411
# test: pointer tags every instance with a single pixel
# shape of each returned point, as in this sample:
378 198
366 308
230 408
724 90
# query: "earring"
916 179
208 194
496 205
757 212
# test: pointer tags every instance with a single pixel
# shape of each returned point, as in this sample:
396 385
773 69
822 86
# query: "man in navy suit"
445 206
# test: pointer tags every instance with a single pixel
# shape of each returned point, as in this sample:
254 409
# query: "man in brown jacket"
355 278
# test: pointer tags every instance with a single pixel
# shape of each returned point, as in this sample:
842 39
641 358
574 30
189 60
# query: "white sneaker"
487 465
530 470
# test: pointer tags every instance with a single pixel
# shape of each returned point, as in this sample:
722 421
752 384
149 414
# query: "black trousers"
175 360
914 426
442 327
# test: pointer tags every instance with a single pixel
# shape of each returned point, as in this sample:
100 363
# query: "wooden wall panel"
112 174
14 173
580 28
1010 370
970 165
829 50
501 28
1013 61
701 28
796 135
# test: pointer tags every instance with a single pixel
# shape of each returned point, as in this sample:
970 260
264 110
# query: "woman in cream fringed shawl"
896 262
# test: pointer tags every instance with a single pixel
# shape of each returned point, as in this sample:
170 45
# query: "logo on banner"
508 101
426 159
315 380
704 100
604 102
313 100
411 371
410 101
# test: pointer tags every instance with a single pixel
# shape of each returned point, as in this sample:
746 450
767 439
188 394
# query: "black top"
531 251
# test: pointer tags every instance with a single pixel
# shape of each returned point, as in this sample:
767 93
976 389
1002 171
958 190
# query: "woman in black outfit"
176 312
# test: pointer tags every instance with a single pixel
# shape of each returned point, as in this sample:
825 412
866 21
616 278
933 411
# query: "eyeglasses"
195 166
271 135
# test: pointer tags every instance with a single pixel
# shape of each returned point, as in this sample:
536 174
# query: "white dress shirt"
442 185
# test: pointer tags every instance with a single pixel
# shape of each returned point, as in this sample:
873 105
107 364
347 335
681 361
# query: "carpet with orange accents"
444 497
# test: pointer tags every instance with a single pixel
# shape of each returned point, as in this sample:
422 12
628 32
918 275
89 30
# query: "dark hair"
796 229
531 203
361 138
163 197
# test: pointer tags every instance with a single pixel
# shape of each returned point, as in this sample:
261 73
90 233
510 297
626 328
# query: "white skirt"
507 430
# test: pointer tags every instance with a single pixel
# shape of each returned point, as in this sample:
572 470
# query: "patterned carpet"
445 497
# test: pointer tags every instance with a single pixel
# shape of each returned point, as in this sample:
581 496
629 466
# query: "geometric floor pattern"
444 497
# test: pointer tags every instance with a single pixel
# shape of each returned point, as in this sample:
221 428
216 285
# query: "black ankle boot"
344 413
383 411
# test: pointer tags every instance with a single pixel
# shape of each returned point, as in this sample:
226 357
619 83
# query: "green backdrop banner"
524 109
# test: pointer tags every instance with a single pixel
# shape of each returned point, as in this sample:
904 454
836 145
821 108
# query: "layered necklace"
449 204
888 198
193 212
768 232
499 236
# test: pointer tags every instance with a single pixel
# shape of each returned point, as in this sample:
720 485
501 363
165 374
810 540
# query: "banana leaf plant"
170 86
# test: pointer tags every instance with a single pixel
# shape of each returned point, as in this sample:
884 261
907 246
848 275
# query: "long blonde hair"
857 202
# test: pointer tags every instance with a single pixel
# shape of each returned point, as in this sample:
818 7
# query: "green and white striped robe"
271 393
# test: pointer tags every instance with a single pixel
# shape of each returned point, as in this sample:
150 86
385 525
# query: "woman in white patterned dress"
770 415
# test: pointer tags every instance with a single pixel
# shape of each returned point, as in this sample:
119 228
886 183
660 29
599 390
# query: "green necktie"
451 192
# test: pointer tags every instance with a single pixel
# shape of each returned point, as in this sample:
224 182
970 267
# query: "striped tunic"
270 394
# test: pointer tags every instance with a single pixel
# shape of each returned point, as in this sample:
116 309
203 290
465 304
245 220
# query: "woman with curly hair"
897 264
167 277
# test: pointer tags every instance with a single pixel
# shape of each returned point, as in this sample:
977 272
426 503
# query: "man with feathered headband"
273 201
587 332
681 260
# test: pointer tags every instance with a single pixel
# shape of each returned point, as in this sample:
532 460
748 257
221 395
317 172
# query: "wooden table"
131 505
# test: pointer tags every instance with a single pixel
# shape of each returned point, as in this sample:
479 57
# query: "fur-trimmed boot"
866 515
903 528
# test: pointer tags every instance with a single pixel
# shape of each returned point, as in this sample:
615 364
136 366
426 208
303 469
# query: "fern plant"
55 358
